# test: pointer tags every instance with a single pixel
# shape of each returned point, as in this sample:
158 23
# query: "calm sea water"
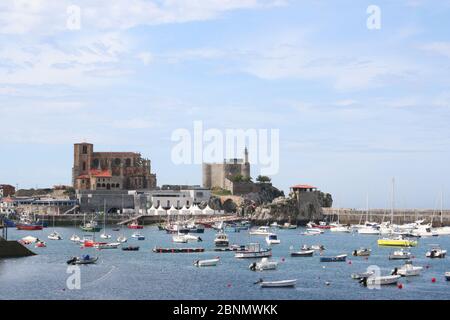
147 275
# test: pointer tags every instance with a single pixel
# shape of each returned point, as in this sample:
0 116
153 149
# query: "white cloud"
440 48
145 57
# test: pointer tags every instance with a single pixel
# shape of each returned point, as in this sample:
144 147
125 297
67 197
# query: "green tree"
263 179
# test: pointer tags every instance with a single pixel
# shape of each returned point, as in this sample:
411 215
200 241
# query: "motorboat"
179 239
302 253
362 275
317 247
122 239
369 231
288 226
274 225
397 242
277 284
105 236
75 238
261 231
54 236
253 250
321 225
447 276
380 280
191 237
340 258
424 231
91 226
443 231
312 232
343 229
436 252
221 240
272 239
28 240
400 255
130 248
362 252
264 265
407 270
85 259
135 225
207 263
102 246
138 236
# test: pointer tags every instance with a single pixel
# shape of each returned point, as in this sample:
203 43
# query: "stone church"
110 170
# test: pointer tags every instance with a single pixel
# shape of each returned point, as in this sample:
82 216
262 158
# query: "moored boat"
207 263
264 265
135 225
102 246
362 252
91 226
253 250
400 255
177 250
312 232
407 270
380 280
272 239
447 276
130 248
302 253
397 242
55 236
261 231
340 258
138 236
277 284
85 259
436 252
221 240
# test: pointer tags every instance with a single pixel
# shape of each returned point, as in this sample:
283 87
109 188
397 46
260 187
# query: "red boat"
29 226
135 225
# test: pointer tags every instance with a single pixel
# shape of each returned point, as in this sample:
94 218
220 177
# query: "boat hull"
279 284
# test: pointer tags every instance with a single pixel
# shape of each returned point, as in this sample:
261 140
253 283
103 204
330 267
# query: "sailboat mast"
442 207
393 200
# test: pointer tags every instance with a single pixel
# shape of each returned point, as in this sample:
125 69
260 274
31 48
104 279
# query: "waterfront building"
110 170
7 190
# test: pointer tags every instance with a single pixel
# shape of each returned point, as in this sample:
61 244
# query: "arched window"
117 162
128 163
95 163
103 185
84 149
117 185
84 165
99 185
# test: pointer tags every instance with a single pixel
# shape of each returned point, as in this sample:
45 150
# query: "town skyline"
354 106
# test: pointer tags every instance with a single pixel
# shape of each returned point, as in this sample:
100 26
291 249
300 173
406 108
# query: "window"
84 149
187 203
84 165
128 162
168 203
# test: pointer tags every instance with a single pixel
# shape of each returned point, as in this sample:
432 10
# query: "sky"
354 106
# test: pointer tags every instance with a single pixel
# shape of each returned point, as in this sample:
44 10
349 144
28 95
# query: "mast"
442 207
367 208
393 200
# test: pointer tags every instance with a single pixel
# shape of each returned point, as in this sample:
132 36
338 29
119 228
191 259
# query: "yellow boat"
397 242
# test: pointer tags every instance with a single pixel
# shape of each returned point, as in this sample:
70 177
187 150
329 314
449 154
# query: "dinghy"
40 244
277 284
207 263
261 231
253 250
138 236
303 253
447 276
75 238
130 248
362 275
85 259
340 258
264 265
122 239
312 232
407 270
400 255
102 246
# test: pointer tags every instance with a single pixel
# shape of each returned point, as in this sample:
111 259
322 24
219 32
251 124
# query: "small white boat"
264 265
444 231
447 276
400 255
436 252
312 232
277 284
369 231
302 253
272 239
340 228
207 263
105 236
179 239
362 275
75 238
261 231
55 236
122 239
102 246
381 280
274 225
138 236
190 237
407 270
221 240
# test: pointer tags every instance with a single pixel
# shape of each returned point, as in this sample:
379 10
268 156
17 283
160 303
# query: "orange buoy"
400 286
433 280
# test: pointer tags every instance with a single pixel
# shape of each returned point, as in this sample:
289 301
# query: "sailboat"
54 235
122 238
75 237
104 235
442 231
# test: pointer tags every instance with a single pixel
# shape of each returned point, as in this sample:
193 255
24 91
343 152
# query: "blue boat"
341 258
9 223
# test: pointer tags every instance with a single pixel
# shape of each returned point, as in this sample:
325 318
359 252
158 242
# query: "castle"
220 175
110 170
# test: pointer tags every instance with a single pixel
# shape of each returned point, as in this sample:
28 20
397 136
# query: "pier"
400 216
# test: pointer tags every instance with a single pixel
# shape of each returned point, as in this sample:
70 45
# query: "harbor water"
146 275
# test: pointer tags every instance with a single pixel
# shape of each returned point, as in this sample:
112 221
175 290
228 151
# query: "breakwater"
355 216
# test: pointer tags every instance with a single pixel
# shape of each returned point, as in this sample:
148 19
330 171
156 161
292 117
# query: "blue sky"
355 107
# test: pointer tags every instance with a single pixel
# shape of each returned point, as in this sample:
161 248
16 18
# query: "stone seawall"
13 249
353 216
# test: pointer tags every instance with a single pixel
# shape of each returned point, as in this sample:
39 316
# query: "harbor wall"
13 249
354 216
